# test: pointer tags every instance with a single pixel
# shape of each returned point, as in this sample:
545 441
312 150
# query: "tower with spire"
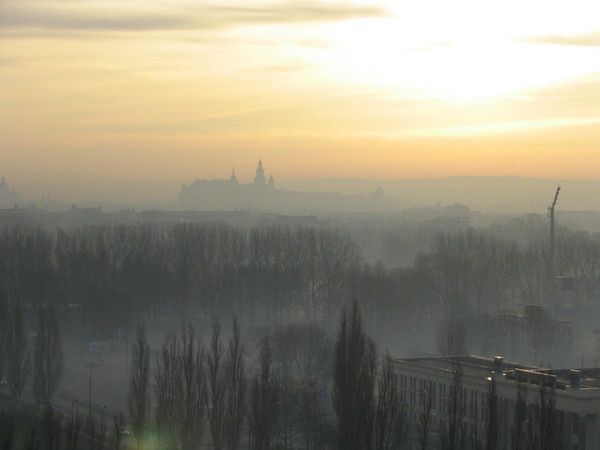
259 178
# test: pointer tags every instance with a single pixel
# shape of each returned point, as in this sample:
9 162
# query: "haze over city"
299 224
101 100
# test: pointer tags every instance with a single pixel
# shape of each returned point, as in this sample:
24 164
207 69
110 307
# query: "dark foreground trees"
390 426
453 435
265 400
354 382
48 357
368 411
180 390
225 388
16 353
216 388
139 384
235 388
191 383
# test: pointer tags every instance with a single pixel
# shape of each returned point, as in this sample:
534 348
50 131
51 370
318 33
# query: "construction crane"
551 215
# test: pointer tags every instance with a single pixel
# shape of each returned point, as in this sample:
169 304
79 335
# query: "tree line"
116 272
196 394
277 271
206 394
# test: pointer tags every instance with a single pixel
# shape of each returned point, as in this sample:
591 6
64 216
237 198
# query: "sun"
449 64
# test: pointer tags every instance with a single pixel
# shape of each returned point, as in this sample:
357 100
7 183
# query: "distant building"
574 417
8 197
533 337
223 194
261 195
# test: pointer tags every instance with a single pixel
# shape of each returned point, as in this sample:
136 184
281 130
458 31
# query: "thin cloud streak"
500 128
85 17
579 40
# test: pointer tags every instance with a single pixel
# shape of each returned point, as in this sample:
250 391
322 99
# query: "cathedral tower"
259 179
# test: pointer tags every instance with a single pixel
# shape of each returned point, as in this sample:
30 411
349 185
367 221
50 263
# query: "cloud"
292 12
65 20
286 68
84 17
582 40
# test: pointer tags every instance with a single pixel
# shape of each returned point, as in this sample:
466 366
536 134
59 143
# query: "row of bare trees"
279 272
190 385
195 393
19 357
116 271
481 273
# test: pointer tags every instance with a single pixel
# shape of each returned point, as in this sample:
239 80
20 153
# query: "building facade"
450 399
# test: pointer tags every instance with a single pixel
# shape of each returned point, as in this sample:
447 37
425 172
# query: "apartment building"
530 404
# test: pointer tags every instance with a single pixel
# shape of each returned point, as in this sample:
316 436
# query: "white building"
571 397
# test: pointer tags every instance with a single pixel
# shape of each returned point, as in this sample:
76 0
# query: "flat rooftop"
473 365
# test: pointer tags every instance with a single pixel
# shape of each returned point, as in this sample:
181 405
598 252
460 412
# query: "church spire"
259 179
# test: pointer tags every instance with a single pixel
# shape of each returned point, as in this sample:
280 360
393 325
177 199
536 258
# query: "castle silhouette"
260 195
230 193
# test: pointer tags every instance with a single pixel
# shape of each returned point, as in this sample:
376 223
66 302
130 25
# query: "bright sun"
448 64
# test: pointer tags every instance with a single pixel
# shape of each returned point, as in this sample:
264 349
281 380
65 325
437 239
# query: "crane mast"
551 215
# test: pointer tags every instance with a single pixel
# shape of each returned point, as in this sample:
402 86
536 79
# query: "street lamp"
91 365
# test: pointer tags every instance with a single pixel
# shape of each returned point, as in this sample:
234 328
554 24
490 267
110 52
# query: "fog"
441 280
490 195
299 224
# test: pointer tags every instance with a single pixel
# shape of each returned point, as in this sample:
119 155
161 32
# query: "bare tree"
139 379
7 429
312 416
550 429
301 350
185 242
519 438
92 432
51 429
73 428
31 441
264 403
3 310
18 363
426 401
118 428
235 388
354 373
390 423
48 357
167 390
452 336
493 418
453 435
193 395
216 388
180 390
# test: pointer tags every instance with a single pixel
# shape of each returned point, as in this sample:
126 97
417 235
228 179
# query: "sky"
129 98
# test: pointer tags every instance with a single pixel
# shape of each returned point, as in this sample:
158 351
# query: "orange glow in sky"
128 93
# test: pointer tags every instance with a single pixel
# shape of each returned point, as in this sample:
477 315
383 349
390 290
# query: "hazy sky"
103 96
